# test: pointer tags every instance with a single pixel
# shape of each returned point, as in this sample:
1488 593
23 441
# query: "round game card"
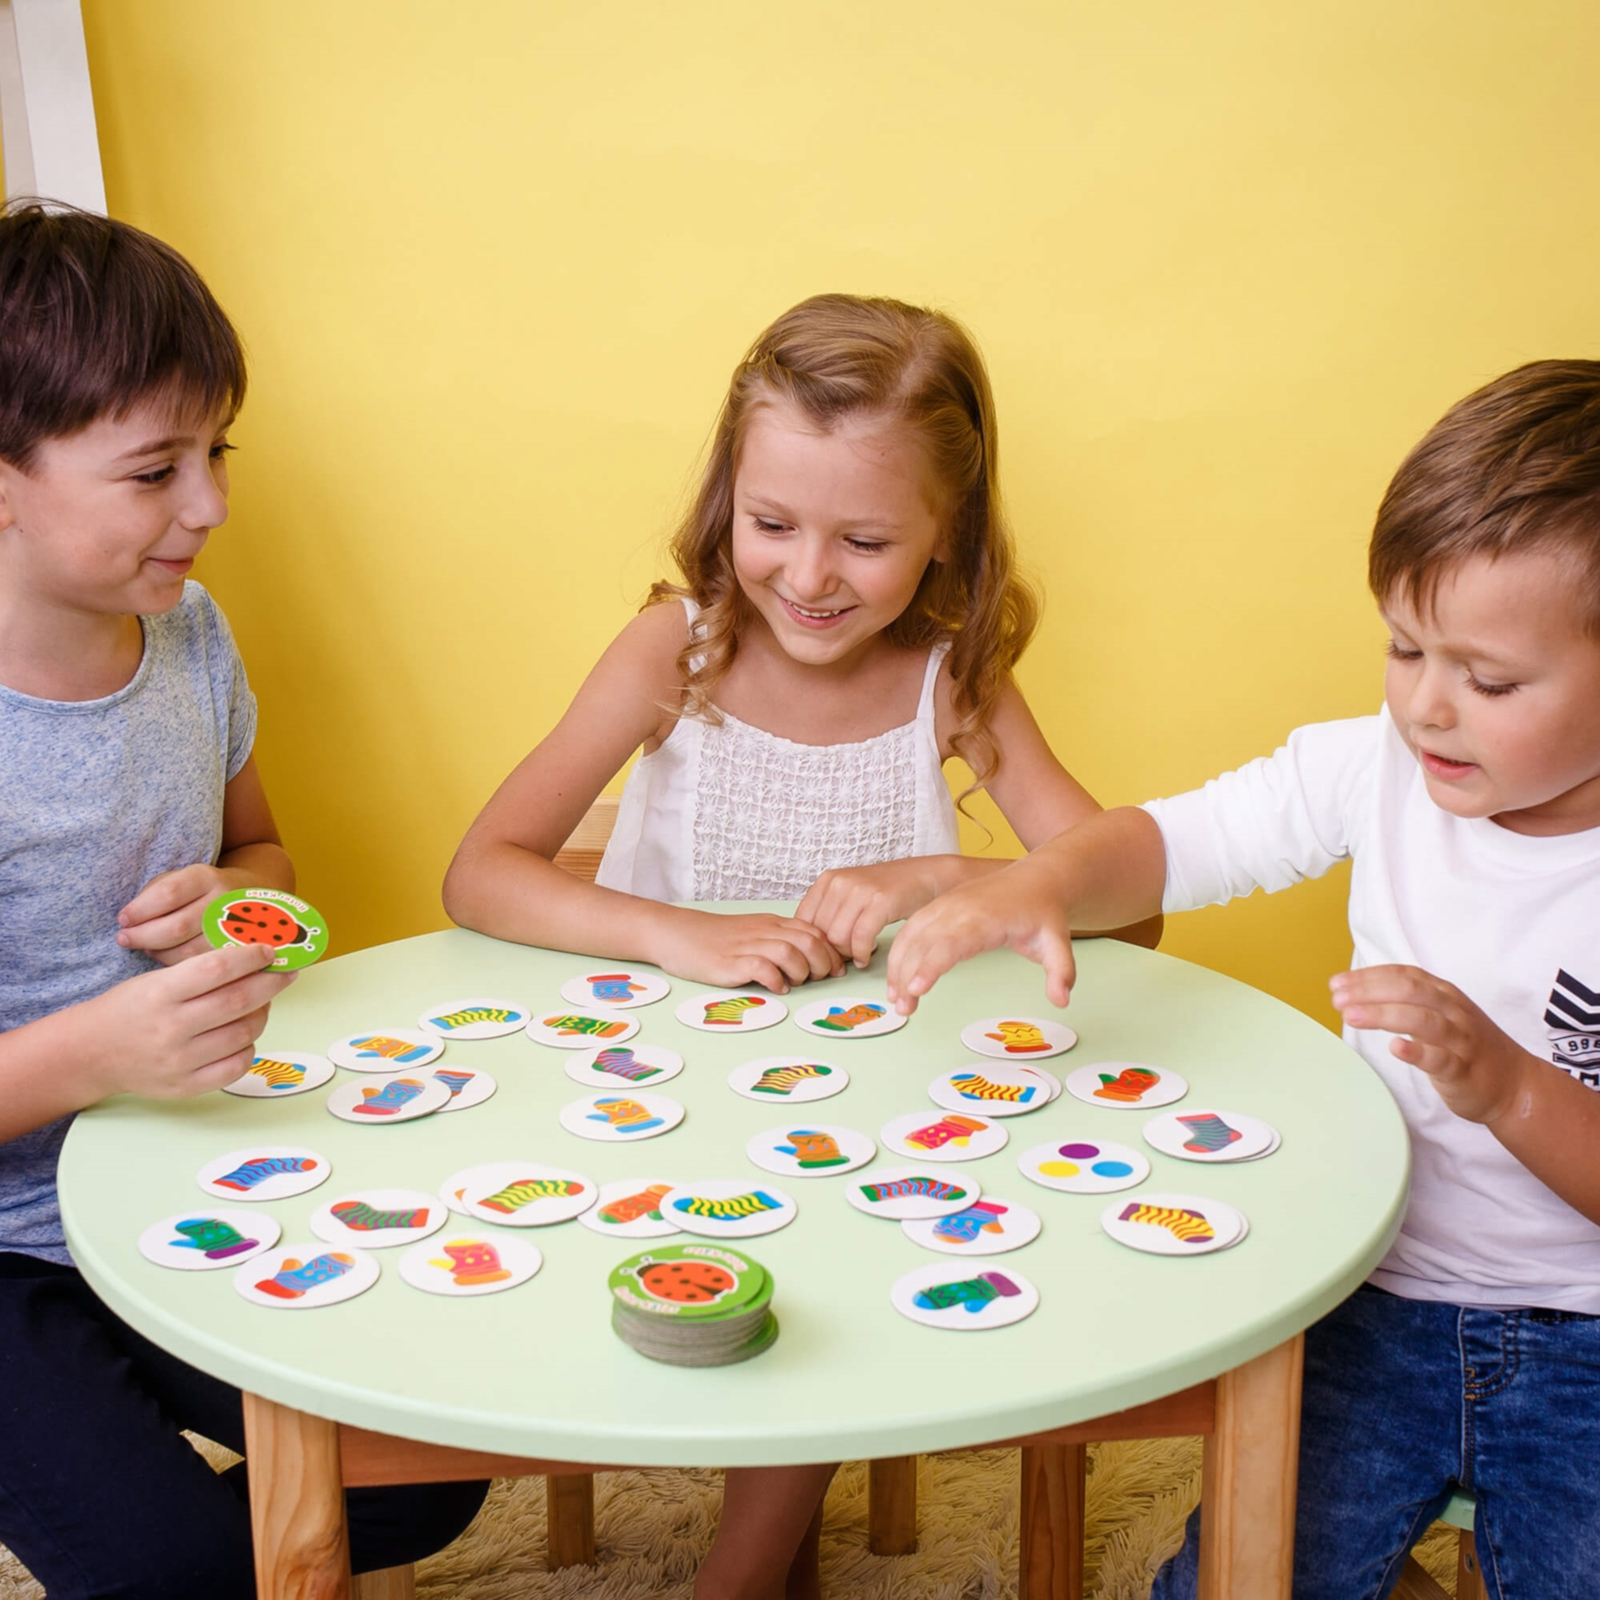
1218 1136
991 1091
624 1118
468 1086
630 1208
849 1017
731 1011
279 1074
967 1297
474 1018
201 1241
402 1098
375 1219
386 1050
728 1208
817 1150
624 1066
615 988
788 1080
1018 1038
946 1136
987 1227
470 1264
1173 1224
1125 1085
301 1277
911 1193
289 925
572 1029
523 1194
1084 1166
263 1172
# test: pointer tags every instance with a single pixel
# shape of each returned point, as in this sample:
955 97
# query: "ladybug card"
282 921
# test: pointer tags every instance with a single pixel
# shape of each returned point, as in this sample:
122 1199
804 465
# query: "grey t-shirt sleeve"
230 686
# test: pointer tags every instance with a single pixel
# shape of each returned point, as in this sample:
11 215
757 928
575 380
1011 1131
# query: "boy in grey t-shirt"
128 800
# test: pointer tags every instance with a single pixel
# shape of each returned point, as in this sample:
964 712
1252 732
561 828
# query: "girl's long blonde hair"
836 356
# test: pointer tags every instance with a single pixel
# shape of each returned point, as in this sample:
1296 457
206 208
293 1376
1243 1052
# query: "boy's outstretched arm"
1107 872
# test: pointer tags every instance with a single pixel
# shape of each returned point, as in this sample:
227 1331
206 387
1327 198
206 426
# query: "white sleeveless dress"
732 812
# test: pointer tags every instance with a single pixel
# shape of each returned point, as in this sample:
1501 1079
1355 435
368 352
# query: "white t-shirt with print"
1512 921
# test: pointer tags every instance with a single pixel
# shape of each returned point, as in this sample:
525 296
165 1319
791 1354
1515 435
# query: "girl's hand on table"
851 906
759 948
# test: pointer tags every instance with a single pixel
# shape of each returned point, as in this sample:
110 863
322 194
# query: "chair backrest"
581 854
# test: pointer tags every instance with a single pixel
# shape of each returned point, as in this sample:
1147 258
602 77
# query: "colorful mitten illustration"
626 1116
785 1080
951 1129
215 1238
294 1278
278 1074
589 1027
1208 1133
613 988
471 1262
974 1086
454 1081
393 1097
838 1020
962 1228
251 1174
685 1283
620 1062
630 1208
401 1050
362 1218
734 1209
257 922
971 1294
1019 1038
917 1188
1130 1085
729 1013
811 1149
451 1020
524 1191
1188 1226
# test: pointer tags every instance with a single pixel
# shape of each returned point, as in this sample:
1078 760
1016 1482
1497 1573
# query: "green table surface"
536 1371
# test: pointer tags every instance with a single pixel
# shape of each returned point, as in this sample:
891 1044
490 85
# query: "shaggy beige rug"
653 1527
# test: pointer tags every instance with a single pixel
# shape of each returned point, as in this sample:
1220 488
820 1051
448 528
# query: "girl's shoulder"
643 661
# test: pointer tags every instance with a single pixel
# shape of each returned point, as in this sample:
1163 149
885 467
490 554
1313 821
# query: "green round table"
535 1373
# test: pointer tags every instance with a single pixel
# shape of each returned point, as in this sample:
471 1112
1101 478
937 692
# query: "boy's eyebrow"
156 446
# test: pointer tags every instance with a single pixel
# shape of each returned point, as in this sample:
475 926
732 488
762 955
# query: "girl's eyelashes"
1397 652
767 525
1492 690
868 546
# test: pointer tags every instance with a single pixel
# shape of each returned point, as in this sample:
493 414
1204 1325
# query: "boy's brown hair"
96 317
1513 467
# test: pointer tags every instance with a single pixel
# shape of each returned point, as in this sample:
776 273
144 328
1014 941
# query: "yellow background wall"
494 261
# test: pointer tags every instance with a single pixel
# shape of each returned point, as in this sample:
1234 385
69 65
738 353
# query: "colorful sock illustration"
729 1013
613 988
471 1262
589 1027
1189 1226
455 1081
524 1191
811 1149
294 1278
974 1086
1130 1085
215 1238
451 1020
626 1116
838 1020
250 1174
964 1227
358 1215
971 1294
951 1129
734 1209
785 1080
917 1188
1208 1132
1019 1038
278 1074
394 1096
257 922
401 1050
647 1203
620 1062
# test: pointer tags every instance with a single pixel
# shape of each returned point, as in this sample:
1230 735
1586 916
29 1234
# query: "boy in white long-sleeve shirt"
1470 808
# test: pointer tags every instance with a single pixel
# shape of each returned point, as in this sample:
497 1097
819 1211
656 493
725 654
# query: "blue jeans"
1405 1400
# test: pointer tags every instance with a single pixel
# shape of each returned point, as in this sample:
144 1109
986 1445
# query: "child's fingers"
754 969
1419 1022
216 968
164 932
812 947
167 893
1389 984
1053 952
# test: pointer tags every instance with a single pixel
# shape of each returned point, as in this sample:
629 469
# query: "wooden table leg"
1053 1478
1248 1487
302 1543
569 1519
892 1506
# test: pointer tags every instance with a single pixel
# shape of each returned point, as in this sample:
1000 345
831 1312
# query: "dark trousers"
101 1496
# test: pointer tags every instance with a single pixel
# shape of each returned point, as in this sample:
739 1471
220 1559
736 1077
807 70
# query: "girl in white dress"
847 622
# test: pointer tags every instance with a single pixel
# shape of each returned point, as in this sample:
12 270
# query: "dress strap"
692 607
930 677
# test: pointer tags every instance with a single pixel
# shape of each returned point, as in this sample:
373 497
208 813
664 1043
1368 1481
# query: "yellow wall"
494 259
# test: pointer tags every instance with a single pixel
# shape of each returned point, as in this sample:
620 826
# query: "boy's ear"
8 515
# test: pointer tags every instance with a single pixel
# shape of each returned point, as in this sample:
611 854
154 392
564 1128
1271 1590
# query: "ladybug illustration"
257 922
686 1282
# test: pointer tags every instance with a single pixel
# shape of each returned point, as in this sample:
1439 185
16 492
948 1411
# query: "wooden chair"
1415 1584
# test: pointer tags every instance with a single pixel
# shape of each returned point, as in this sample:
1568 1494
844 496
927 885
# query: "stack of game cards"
694 1305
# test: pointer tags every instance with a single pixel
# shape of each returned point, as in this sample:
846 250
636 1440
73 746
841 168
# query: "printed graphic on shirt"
1574 1020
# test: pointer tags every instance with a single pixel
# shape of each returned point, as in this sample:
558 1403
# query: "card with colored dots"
966 1298
1214 1136
624 1066
468 1086
1125 1085
466 1264
1084 1166
521 1194
263 1172
849 1017
292 927
378 1219
788 1080
202 1241
277 1074
1018 1038
385 1050
731 1011
615 988
630 1208
474 1018
402 1098
572 1029
944 1136
992 1091
1173 1224
911 1193
989 1226
302 1277
815 1150
728 1208
621 1118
